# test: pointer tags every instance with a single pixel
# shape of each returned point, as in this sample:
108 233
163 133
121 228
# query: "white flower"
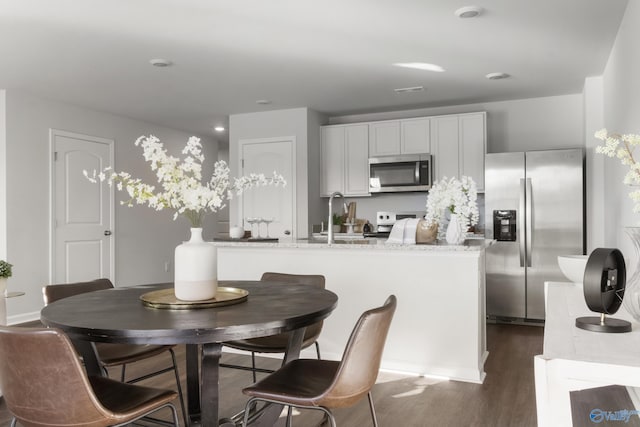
458 196
181 181
624 152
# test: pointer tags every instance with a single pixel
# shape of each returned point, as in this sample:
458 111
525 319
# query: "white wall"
520 125
3 177
622 114
273 124
318 209
595 163
145 239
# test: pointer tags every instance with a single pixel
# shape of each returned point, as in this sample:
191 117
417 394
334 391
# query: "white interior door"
82 223
265 156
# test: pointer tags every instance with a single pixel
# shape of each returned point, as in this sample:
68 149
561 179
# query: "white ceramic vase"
455 230
196 269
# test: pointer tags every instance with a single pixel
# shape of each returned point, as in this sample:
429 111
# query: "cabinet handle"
107 232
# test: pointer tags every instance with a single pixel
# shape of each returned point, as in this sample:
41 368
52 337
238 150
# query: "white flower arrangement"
181 181
612 148
458 196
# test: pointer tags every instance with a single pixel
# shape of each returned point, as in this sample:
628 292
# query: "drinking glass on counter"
267 221
254 220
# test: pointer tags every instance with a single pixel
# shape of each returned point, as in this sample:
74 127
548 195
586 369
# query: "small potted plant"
5 273
338 220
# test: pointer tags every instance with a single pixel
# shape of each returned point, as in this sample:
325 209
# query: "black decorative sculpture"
604 282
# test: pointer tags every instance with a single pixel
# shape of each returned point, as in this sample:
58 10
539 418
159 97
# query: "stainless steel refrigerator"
534 209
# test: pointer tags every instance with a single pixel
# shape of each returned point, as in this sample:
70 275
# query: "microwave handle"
416 174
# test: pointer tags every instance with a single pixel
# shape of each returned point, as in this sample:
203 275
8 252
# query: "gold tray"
166 298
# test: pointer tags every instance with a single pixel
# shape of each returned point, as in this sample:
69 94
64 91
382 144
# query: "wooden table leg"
87 350
210 383
193 382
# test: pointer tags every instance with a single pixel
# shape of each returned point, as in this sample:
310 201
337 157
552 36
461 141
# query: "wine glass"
267 221
259 221
251 221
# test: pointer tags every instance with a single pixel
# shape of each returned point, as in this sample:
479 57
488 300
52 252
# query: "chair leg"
179 386
289 414
253 365
317 349
373 411
13 422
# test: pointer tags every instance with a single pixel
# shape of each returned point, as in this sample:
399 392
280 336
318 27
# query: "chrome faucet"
330 238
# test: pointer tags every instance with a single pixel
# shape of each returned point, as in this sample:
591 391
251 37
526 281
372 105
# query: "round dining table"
118 315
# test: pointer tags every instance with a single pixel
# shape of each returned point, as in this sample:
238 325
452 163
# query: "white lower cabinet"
458 145
345 160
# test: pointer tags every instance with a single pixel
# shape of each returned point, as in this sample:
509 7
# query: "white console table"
575 359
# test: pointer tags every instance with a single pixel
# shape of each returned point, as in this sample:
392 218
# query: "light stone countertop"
470 245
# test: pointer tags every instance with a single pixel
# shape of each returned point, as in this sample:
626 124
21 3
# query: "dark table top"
118 315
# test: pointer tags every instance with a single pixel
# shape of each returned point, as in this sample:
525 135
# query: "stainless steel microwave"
390 174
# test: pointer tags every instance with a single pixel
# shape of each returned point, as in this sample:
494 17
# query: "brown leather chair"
44 384
325 384
278 343
114 355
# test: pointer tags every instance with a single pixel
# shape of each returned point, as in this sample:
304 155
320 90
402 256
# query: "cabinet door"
356 160
444 140
332 159
472 147
384 139
415 136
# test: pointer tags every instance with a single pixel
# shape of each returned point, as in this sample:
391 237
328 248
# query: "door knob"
287 232
107 232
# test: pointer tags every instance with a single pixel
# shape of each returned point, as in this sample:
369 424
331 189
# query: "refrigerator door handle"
529 214
522 222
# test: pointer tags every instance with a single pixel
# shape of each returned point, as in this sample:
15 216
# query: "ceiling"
333 56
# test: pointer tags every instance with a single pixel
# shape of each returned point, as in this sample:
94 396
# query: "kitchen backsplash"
367 207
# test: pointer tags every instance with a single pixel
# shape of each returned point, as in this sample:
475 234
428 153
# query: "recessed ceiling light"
409 89
263 102
160 62
497 76
420 66
468 12
219 128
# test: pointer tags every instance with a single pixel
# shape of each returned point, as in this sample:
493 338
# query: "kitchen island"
439 325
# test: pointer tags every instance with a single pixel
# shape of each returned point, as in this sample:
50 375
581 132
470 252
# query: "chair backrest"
43 382
52 293
313 331
360 362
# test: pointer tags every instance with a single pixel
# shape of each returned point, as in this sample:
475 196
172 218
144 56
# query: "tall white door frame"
53 135
291 183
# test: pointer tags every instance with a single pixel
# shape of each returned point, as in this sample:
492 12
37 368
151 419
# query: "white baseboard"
16 319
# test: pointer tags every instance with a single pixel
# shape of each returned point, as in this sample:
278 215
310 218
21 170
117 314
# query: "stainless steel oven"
391 174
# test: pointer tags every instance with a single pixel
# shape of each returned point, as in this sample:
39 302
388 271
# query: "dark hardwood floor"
507 397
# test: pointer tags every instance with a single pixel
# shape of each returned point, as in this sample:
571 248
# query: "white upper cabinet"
392 138
458 145
345 160
445 149
473 148
384 138
356 170
332 159
415 137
